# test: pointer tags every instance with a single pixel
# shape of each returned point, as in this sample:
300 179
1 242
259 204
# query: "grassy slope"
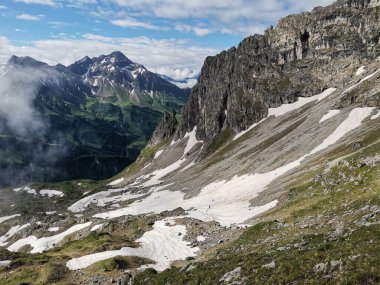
327 215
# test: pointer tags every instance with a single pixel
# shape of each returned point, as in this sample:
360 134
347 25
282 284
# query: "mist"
25 155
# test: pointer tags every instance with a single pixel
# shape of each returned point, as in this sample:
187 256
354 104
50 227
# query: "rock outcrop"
165 129
302 56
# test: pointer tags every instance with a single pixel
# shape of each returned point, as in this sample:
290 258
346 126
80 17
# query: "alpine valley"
88 120
270 175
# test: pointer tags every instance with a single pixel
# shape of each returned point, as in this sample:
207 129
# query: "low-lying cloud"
23 149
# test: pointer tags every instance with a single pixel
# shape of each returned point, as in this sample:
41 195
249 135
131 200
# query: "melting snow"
164 244
228 201
173 142
361 81
191 164
353 121
102 198
286 108
360 71
158 153
6 218
96 227
247 130
53 229
11 233
302 101
329 115
51 193
4 262
192 141
201 238
45 243
27 189
115 182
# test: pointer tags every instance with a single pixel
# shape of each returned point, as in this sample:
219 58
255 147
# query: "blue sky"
172 37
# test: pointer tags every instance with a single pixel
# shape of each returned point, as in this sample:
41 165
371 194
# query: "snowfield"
360 71
14 230
6 218
158 153
286 108
42 244
163 245
227 202
115 182
51 193
103 198
4 262
329 115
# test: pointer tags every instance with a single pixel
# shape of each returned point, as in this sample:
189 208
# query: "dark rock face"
165 129
304 55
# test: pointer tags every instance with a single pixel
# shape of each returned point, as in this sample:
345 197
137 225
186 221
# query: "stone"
231 276
320 267
269 265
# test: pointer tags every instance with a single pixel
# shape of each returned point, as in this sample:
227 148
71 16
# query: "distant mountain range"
87 120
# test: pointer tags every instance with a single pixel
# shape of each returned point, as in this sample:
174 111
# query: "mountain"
58 124
271 176
116 78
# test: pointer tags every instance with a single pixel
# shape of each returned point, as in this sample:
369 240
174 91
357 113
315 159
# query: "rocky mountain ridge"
302 56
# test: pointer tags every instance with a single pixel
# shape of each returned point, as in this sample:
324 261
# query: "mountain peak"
25 61
119 57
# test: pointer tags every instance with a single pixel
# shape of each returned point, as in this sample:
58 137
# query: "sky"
171 37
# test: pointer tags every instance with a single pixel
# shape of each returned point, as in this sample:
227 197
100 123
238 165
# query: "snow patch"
360 82
286 108
4 262
53 229
191 164
192 141
115 182
201 238
96 227
353 121
6 218
164 244
302 101
329 115
158 153
360 71
103 198
11 233
42 244
27 189
247 130
51 193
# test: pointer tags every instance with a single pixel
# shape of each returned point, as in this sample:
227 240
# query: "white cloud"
3 7
199 31
175 58
242 17
27 17
133 23
41 2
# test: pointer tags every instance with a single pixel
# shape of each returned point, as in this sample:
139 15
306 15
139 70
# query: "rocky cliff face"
302 56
